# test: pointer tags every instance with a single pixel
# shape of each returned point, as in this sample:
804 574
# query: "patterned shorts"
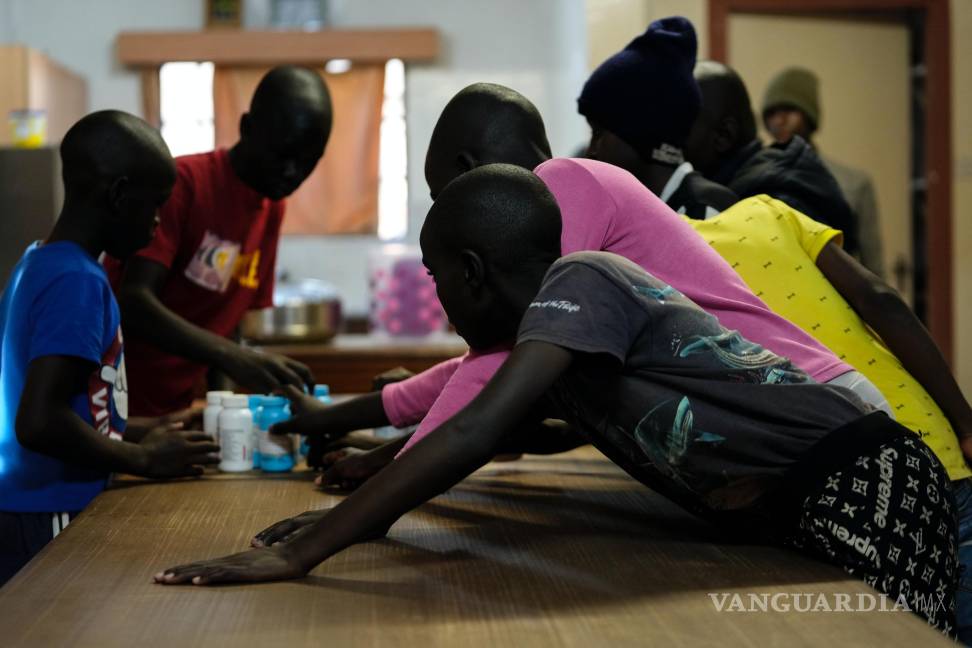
889 519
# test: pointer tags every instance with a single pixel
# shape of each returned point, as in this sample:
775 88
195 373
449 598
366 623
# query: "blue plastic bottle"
323 394
256 407
276 452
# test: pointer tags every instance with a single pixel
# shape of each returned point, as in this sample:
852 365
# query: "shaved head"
484 123
284 134
502 211
490 236
298 92
110 144
117 173
726 122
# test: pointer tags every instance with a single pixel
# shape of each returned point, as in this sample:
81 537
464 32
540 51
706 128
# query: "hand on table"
256 565
348 468
324 452
286 530
301 404
265 372
170 451
138 426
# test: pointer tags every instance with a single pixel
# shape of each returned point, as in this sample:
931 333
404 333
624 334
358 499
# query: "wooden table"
348 363
558 551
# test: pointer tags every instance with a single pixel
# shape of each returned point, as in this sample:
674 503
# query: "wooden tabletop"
559 551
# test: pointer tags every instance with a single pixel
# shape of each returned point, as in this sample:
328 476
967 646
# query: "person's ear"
473 269
725 134
118 194
466 161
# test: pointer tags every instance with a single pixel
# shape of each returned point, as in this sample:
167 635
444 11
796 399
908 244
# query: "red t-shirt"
218 237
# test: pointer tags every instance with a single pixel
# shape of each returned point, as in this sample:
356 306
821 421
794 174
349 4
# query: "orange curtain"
341 195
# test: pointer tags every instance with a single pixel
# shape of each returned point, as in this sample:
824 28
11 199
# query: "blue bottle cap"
274 401
322 390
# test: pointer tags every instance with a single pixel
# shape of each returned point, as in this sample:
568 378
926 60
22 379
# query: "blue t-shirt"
58 302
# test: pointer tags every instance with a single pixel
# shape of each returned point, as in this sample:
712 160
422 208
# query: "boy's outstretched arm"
47 424
882 308
143 313
450 453
330 422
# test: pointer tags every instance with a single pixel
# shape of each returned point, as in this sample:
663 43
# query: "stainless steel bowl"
305 311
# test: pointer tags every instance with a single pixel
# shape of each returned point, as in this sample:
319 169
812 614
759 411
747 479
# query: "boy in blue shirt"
63 394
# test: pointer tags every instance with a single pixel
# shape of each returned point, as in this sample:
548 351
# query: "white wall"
80 34
537 47
612 24
961 22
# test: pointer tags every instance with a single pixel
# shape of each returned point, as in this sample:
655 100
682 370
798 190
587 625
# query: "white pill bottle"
235 435
214 405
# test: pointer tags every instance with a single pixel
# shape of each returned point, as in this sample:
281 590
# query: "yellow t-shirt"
774 249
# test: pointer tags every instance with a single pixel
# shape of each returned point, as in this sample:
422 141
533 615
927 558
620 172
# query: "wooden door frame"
938 126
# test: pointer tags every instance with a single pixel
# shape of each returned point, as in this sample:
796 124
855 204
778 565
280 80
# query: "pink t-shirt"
603 207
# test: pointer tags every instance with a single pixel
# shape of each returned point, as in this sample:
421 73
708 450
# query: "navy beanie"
646 93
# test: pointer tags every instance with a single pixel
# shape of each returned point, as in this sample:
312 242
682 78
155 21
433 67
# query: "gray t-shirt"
685 406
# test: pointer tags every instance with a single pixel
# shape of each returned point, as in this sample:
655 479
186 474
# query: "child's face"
469 304
135 215
285 149
784 123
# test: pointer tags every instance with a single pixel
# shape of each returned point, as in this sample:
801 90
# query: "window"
188 124
186 107
393 157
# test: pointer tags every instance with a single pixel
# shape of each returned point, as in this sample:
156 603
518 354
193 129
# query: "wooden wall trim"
804 6
241 47
719 30
151 96
938 128
938 156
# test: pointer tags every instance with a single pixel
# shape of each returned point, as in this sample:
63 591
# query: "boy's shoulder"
43 265
61 257
199 168
753 212
607 266
592 185
582 170
200 161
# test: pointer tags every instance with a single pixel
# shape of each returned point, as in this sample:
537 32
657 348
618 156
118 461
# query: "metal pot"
303 311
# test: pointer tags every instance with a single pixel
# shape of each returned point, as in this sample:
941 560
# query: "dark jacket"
696 195
793 173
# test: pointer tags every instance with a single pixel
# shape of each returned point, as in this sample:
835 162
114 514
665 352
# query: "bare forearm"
910 341
335 421
882 308
62 434
146 316
431 467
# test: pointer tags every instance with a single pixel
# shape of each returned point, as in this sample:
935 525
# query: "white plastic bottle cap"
216 397
236 400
